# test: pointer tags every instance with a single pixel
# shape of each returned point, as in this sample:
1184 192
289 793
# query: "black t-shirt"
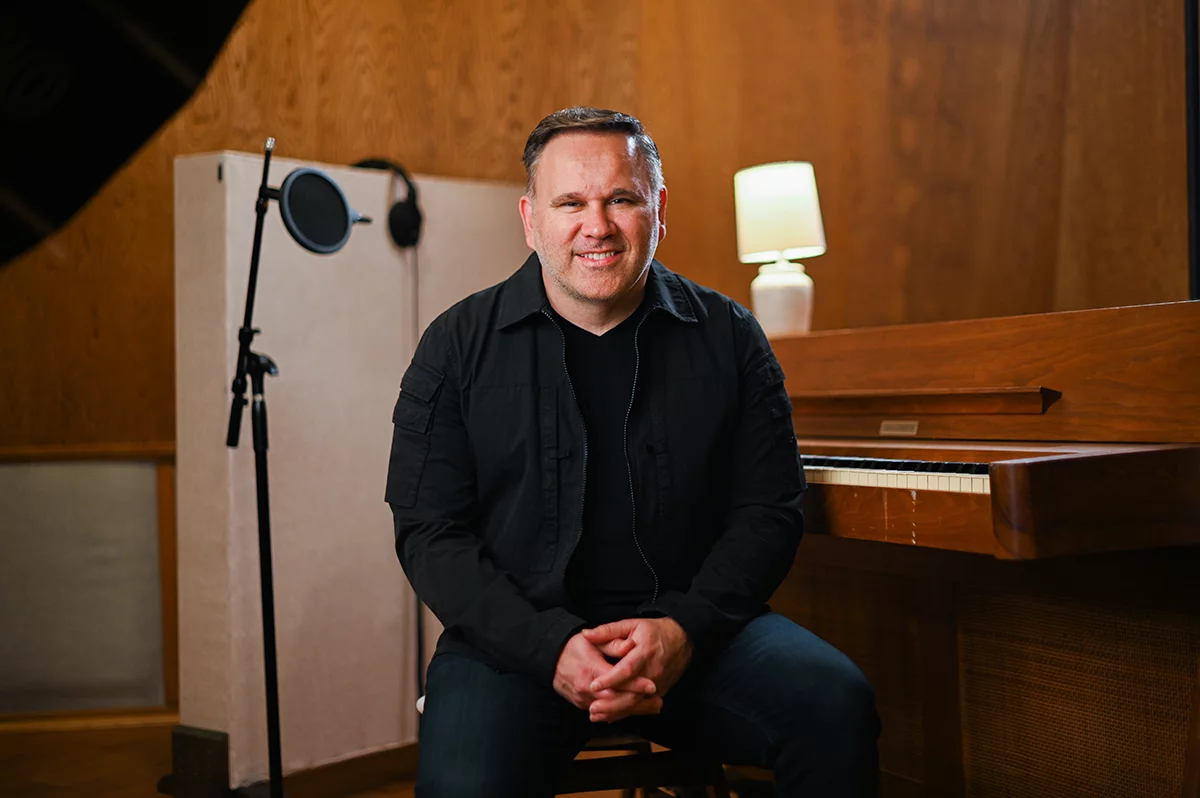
607 578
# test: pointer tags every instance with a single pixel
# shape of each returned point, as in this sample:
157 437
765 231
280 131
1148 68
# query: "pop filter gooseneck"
317 215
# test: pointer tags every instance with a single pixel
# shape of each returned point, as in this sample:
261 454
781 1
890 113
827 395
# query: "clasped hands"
651 654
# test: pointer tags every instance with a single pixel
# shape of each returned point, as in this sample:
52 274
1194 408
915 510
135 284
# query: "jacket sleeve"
764 524
432 492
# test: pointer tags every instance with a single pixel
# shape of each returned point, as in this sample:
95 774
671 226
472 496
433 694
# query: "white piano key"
906 480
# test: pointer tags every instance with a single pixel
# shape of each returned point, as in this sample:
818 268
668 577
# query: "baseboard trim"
200 769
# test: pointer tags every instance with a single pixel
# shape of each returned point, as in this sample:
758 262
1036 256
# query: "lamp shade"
778 213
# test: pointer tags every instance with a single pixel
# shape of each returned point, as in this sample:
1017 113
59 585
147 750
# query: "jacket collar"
525 294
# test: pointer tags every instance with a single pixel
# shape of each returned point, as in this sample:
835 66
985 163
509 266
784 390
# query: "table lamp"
779 220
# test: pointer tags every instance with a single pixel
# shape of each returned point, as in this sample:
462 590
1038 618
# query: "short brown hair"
590 120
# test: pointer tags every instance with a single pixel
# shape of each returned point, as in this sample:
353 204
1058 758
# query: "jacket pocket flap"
412 415
421 382
769 372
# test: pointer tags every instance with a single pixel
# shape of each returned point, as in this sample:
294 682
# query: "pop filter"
315 211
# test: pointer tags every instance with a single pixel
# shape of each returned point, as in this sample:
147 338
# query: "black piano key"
882 464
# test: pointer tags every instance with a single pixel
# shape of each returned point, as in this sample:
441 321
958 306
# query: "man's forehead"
579 154
576 142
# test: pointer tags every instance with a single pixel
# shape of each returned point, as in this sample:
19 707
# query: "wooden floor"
406 791
396 791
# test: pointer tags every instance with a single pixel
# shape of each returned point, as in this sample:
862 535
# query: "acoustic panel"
1071 697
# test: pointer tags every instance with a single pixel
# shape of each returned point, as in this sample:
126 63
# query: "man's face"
594 219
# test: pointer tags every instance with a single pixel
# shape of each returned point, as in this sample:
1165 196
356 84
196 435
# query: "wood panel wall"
975 158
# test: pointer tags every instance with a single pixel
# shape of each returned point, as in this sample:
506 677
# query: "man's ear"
662 213
526 208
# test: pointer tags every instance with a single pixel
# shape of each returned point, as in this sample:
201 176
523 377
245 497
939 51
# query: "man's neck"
596 317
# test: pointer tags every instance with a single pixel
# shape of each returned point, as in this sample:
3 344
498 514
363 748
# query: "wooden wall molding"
148 450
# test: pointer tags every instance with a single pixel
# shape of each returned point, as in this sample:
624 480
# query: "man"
596 487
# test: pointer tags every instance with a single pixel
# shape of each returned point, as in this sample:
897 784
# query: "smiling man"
596 488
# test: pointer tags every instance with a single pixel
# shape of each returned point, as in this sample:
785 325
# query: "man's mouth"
601 257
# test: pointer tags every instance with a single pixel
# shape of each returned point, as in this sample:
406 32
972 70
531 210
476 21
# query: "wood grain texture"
976 401
974 159
168 574
941 712
876 620
1054 506
1126 374
1191 762
109 759
866 597
1113 216
929 519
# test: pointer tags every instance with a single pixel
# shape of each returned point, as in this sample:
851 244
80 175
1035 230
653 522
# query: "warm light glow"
778 213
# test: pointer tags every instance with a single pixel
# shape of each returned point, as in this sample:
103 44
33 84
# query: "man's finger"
617 648
610 703
623 671
613 708
640 685
647 706
610 631
610 712
638 688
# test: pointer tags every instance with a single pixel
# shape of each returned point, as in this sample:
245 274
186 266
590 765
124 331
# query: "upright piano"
1001 529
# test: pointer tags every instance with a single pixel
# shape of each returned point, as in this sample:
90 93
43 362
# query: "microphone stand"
257 366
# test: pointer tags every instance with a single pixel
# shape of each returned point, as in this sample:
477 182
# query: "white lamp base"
782 297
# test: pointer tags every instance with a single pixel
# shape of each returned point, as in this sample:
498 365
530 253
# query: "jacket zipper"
562 577
637 362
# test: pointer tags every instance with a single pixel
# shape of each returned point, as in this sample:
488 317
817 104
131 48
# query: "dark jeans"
778 696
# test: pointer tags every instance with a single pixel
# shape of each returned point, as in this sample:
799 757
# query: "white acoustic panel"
341 329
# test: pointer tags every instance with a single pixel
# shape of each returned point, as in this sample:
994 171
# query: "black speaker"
404 219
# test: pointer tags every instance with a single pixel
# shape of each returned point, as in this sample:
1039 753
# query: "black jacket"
489 458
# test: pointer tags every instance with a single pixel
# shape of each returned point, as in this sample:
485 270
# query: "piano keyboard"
905 474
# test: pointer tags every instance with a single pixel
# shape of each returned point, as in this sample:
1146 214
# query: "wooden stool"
641 768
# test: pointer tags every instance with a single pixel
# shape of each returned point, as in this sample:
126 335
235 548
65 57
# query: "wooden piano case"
1041 639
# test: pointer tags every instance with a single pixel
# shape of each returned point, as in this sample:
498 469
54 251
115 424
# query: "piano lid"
1121 375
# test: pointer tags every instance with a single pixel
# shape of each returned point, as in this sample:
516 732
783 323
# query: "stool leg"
720 788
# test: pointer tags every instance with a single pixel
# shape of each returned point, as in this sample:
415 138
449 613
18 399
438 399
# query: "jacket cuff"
701 623
552 643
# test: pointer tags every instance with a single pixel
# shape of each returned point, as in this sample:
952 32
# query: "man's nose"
597 224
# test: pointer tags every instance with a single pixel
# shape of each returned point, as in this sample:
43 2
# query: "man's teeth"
596 255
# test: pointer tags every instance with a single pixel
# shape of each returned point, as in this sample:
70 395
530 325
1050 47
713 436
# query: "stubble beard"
559 271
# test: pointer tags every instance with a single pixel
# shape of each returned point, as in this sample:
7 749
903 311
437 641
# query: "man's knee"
844 707
496 768
485 733
854 699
